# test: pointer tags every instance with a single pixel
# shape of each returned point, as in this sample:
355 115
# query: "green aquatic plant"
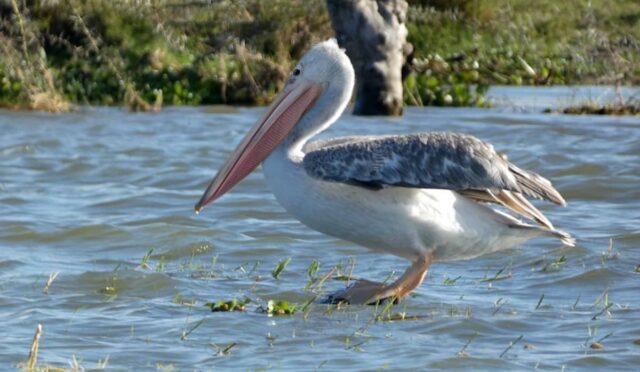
312 272
554 265
451 281
282 264
144 262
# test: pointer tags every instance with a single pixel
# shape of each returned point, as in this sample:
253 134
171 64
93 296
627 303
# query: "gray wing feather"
427 160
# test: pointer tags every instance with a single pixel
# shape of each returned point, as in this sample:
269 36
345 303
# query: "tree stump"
374 36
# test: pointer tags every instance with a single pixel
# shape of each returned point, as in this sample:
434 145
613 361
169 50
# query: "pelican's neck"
295 141
326 110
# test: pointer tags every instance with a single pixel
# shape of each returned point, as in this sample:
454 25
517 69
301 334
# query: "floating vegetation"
279 308
624 108
227 306
272 307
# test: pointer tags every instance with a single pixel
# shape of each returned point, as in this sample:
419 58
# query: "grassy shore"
145 55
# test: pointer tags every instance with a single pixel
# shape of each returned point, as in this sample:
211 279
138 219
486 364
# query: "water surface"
88 194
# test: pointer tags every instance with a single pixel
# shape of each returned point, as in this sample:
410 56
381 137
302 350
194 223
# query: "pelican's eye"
296 72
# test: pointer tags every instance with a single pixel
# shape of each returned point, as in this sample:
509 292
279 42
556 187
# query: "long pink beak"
283 114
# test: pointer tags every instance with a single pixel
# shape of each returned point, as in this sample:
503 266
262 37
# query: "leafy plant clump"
438 82
280 308
228 306
272 307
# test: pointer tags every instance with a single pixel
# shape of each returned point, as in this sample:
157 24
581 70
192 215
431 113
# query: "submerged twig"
185 334
462 353
511 344
498 276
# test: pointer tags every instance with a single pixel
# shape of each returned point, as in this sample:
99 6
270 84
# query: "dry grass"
132 98
27 60
52 277
31 364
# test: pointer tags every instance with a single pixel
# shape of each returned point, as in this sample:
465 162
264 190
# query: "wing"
451 161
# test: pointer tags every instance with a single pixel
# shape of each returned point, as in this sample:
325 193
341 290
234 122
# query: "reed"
32 361
52 277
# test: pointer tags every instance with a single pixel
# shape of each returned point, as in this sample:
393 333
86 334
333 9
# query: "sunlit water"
88 194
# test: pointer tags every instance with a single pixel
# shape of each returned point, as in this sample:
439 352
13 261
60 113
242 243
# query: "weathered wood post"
375 37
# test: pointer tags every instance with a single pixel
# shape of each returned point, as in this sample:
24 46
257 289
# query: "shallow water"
88 194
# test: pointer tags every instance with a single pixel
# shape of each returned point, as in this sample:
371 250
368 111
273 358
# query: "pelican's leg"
368 292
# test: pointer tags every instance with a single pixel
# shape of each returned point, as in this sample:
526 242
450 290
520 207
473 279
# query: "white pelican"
422 196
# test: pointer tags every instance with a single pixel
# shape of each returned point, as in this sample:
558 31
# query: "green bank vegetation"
463 46
146 54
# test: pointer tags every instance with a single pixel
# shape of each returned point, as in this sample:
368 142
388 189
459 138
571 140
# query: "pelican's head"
318 90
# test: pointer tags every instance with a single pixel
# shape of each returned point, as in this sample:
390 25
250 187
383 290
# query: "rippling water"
88 194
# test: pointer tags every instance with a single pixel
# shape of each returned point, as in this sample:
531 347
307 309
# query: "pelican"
425 197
